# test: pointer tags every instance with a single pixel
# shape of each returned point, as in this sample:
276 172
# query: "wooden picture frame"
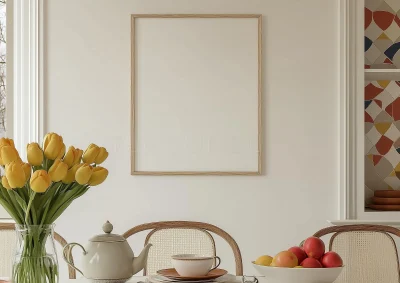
135 169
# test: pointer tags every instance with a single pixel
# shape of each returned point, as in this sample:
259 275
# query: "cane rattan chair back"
182 237
7 249
369 252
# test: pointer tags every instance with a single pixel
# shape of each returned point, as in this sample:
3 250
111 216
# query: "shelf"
394 223
382 74
382 70
374 217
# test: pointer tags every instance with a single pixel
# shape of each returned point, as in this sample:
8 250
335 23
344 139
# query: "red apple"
299 252
331 259
311 263
314 247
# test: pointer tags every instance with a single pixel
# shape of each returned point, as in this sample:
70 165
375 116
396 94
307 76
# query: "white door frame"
25 71
24 108
351 73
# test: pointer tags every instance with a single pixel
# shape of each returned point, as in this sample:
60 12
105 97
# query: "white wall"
87 82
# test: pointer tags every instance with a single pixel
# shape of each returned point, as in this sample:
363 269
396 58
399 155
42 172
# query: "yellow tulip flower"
70 177
5 183
53 146
15 174
5 141
58 170
73 156
34 154
103 154
90 154
40 181
83 174
27 170
8 154
99 175
62 152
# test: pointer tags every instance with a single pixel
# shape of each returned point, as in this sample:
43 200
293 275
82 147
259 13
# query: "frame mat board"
196 94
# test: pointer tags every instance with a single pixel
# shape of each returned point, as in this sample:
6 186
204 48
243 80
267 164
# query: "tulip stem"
29 207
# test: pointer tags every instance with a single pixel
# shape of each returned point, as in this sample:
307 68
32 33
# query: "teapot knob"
108 227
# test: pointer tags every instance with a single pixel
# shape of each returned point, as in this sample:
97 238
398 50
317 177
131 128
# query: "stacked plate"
388 200
171 276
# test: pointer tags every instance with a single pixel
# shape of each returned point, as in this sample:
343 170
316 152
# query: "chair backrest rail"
194 225
369 252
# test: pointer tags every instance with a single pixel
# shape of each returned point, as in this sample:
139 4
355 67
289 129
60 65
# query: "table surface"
134 279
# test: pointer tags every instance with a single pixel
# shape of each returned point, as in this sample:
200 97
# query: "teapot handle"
68 250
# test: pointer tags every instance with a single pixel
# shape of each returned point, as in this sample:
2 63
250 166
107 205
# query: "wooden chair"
7 246
178 237
369 252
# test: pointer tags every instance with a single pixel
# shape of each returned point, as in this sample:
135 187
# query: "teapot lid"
107 237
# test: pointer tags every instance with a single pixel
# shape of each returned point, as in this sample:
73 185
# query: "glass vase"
35 257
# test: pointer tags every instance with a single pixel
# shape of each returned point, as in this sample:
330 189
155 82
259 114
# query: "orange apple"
285 259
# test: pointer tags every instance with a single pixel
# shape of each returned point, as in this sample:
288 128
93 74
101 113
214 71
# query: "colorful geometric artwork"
382 135
382 34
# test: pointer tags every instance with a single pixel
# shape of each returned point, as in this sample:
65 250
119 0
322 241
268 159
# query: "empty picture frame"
196 94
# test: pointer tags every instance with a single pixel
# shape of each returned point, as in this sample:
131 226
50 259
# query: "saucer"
172 274
162 279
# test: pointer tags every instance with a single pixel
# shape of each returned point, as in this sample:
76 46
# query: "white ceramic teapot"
108 257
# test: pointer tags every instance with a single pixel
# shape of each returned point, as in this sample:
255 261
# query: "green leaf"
34 216
5 194
55 213
20 201
82 192
44 215
25 191
49 193
65 197
22 193
58 212
15 204
28 209
24 206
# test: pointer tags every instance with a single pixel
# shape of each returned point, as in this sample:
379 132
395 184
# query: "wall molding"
351 73
24 106
27 71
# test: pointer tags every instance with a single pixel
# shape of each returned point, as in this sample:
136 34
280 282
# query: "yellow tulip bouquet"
36 193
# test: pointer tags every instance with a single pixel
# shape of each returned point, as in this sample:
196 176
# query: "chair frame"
57 237
202 230
337 230
156 226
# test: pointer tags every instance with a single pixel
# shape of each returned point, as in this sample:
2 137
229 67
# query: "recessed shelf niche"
381 104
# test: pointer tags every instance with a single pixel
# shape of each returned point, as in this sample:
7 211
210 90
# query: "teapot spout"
140 262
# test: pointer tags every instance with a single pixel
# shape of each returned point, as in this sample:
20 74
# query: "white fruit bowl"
298 275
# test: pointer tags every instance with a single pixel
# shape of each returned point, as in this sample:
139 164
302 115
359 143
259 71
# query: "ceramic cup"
191 265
